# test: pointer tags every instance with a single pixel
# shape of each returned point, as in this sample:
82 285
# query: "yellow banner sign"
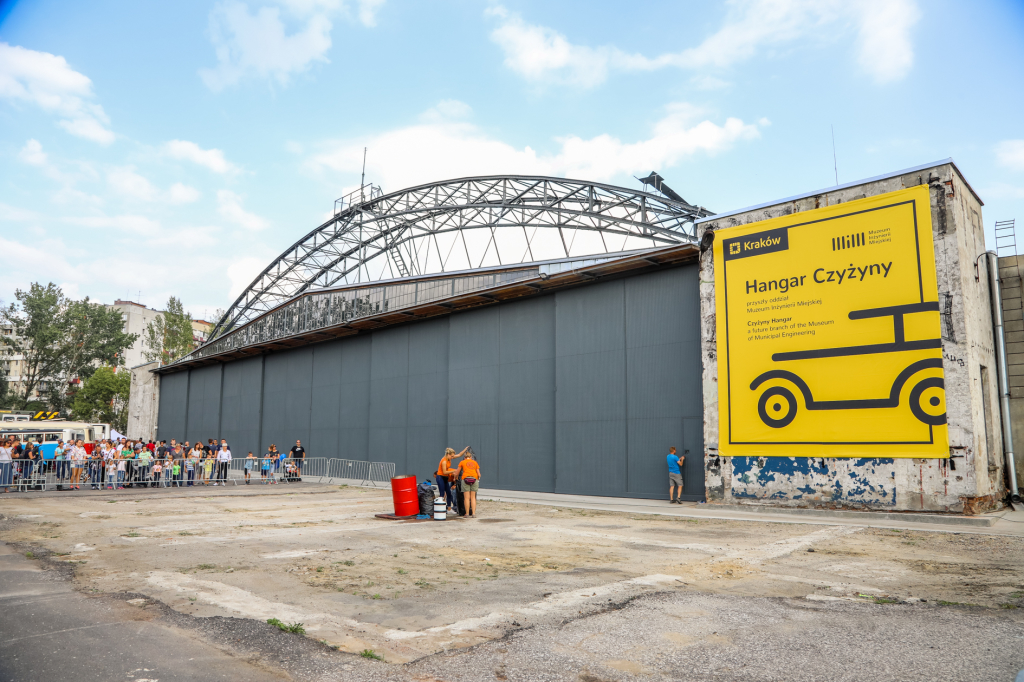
828 332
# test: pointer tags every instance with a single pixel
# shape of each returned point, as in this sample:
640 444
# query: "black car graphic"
777 417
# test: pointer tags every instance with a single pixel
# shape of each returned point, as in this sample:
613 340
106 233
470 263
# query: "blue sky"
177 148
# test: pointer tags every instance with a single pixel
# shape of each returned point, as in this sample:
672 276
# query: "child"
176 473
208 468
111 474
190 467
249 461
265 469
120 473
289 471
157 474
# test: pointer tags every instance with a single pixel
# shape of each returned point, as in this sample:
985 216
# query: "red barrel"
407 502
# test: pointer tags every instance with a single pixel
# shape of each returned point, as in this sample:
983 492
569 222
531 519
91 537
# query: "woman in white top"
77 464
5 464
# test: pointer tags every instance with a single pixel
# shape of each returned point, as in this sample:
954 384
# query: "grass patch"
349 563
295 628
206 567
370 653
192 598
30 555
1008 606
376 596
886 600
132 534
422 583
402 571
319 569
185 532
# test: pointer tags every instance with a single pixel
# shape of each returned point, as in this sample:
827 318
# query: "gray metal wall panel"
590 380
354 415
240 405
204 404
427 434
473 385
389 396
287 395
526 403
623 356
173 406
325 400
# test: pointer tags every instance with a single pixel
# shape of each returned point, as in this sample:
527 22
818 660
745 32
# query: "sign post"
828 333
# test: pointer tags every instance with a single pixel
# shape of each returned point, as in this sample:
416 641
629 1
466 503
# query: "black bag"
460 500
426 495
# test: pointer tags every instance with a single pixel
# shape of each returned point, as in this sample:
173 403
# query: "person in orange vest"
445 477
469 473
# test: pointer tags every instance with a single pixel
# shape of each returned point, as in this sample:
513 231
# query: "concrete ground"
524 592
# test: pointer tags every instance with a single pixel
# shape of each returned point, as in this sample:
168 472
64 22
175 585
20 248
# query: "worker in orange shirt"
469 474
446 477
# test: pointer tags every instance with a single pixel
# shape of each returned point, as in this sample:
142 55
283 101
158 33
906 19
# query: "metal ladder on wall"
1006 246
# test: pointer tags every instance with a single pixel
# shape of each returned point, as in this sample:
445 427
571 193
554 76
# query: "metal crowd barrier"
36 475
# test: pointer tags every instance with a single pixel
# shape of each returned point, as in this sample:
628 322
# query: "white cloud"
444 145
230 207
129 184
32 153
1011 154
182 194
258 44
47 81
885 49
133 225
241 273
14 213
190 151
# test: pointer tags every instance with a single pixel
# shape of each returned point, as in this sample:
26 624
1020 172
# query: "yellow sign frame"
828 333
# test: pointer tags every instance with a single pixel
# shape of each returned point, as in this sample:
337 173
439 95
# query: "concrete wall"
582 391
972 480
1010 271
143 402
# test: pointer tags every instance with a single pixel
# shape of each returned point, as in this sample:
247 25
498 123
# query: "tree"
3 384
104 398
170 336
60 340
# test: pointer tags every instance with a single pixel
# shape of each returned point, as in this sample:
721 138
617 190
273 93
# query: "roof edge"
847 185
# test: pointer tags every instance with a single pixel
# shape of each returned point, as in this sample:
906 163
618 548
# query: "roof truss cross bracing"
464 224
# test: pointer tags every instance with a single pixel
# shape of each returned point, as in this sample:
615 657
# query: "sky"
150 150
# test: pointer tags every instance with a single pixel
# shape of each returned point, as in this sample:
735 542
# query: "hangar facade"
573 374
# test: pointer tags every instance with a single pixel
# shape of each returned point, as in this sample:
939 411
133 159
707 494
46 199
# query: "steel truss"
463 224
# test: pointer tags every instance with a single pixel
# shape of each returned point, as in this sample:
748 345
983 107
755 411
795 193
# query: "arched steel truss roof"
462 224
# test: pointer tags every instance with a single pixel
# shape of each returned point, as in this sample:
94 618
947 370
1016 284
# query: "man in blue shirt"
675 476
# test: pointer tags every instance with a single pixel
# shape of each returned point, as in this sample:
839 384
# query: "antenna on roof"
835 164
362 180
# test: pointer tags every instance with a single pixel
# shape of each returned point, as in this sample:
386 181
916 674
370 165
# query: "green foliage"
369 653
170 336
60 340
104 398
296 628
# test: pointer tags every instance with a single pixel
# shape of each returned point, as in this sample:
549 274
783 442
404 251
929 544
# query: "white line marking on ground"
788 545
564 601
618 538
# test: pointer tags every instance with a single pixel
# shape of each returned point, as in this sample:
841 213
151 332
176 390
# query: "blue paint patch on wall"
863 481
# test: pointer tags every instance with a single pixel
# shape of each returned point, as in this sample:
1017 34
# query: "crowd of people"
125 463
